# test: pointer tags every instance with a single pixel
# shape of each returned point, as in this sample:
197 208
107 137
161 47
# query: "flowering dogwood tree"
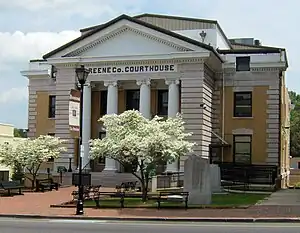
31 153
131 138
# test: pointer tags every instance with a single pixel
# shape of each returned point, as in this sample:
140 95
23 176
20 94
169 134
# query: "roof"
169 17
158 16
137 21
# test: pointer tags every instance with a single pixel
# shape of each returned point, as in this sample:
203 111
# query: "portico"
143 83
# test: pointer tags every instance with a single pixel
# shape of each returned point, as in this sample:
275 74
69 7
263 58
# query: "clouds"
20 47
13 95
87 8
43 25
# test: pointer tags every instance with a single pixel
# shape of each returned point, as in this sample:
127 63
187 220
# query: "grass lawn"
218 200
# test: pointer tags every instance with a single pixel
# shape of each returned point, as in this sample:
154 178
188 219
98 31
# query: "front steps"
110 179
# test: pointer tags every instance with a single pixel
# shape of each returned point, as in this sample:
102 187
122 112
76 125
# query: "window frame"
236 106
241 141
160 107
238 65
51 106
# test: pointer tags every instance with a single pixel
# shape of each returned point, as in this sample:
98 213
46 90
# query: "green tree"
20 133
295 125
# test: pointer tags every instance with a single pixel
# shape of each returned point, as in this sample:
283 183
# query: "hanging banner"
74 110
134 69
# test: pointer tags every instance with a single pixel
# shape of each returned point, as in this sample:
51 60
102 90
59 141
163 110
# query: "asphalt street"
11 225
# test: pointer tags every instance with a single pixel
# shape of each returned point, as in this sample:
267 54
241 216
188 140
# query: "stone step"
111 179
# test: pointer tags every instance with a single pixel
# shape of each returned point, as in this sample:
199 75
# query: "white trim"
149 58
232 65
28 73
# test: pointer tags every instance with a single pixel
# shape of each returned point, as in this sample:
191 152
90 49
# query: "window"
103 102
132 99
51 113
242 104
242 149
243 64
162 105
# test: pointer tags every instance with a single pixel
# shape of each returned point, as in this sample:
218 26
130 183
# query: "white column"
86 124
112 108
145 97
173 109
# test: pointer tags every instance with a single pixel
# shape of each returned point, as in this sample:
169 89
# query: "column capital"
146 81
89 84
170 81
110 83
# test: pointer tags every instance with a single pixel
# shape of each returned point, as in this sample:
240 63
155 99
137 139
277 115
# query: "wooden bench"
46 184
127 186
121 195
11 185
179 197
88 193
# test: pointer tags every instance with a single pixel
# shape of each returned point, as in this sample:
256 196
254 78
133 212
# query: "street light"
81 74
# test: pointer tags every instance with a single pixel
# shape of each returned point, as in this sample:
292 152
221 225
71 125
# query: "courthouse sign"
134 69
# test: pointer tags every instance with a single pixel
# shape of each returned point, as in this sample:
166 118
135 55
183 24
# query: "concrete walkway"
287 197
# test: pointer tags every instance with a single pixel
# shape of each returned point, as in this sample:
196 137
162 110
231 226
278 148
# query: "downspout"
280 127
223 113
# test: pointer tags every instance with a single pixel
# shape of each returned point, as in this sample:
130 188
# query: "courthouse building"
231 92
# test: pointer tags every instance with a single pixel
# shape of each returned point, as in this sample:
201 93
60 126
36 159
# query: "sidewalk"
38 204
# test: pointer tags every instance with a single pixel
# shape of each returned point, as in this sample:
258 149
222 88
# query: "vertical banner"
74 111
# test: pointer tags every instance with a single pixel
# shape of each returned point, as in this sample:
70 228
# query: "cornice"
231 71
120 31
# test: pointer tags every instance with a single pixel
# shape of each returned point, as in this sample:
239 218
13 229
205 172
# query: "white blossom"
31 153
130 138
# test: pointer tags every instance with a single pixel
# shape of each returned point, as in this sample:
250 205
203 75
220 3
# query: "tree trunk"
144 192
33 181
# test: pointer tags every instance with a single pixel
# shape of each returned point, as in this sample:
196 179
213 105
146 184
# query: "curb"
156 219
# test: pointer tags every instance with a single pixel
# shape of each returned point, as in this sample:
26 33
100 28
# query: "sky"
31 28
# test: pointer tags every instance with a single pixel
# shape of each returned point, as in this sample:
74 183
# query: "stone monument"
197 180
215 176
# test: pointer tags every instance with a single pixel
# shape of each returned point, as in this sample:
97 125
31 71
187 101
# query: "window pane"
243 64
242 148
243 111
243 98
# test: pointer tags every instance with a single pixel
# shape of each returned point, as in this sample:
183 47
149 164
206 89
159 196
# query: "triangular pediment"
128 41
125 37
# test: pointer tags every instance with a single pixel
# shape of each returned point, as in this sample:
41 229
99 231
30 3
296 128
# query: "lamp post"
81 74
70 163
